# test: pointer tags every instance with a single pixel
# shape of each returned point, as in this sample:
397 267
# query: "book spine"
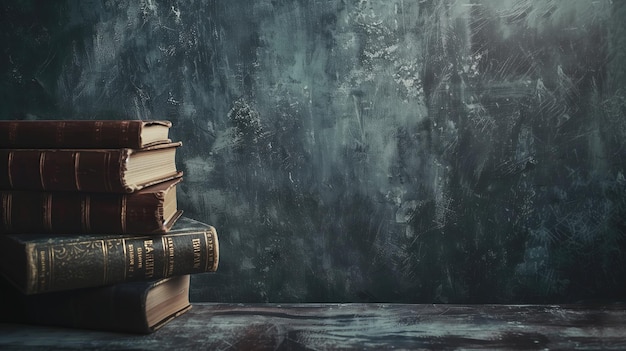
88 213
57 266
63 170
59 134
119 307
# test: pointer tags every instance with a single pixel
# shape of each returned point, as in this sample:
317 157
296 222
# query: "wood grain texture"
354 326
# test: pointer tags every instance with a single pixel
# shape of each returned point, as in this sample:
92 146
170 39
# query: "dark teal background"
355 150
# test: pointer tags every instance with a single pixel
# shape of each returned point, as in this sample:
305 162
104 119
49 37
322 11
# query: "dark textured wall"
355 150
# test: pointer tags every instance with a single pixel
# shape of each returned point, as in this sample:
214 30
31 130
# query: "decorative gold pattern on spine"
10 170
208 237
210 250
50 276
170 257
105 259
125 258
47 212
42 166
165 251
76 158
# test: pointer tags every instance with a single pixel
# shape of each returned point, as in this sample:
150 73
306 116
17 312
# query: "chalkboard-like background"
362 150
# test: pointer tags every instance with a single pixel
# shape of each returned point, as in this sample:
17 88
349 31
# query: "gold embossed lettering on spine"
71 262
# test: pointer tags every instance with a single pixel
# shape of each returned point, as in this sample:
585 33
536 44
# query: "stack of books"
90 231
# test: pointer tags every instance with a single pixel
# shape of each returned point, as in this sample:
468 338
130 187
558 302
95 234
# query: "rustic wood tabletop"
210 326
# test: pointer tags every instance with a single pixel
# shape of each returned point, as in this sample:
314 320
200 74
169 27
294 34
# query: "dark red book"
150 210
87 170
88 134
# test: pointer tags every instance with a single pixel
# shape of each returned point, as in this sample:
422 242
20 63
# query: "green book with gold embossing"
38 263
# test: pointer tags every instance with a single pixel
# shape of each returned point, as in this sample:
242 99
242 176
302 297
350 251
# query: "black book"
136 307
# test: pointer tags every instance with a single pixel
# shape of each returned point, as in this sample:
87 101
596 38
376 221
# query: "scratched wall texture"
355 150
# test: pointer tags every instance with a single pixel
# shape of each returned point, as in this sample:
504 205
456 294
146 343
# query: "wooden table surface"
352 326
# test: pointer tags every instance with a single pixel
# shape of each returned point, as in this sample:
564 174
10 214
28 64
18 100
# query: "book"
135 307
88 170
150 210
38 263
88 134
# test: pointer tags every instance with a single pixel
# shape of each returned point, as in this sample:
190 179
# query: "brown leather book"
103 134
151 210
89 170
136 307
39 263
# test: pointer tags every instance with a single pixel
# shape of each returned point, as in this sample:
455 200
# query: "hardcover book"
136 307
87 170
103 134
151 210
39 263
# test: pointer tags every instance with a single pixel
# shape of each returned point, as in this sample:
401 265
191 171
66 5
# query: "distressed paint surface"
363 150
354 327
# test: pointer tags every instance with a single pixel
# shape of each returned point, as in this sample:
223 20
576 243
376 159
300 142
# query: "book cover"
38 263
151 210
135 307
120 170
105 134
